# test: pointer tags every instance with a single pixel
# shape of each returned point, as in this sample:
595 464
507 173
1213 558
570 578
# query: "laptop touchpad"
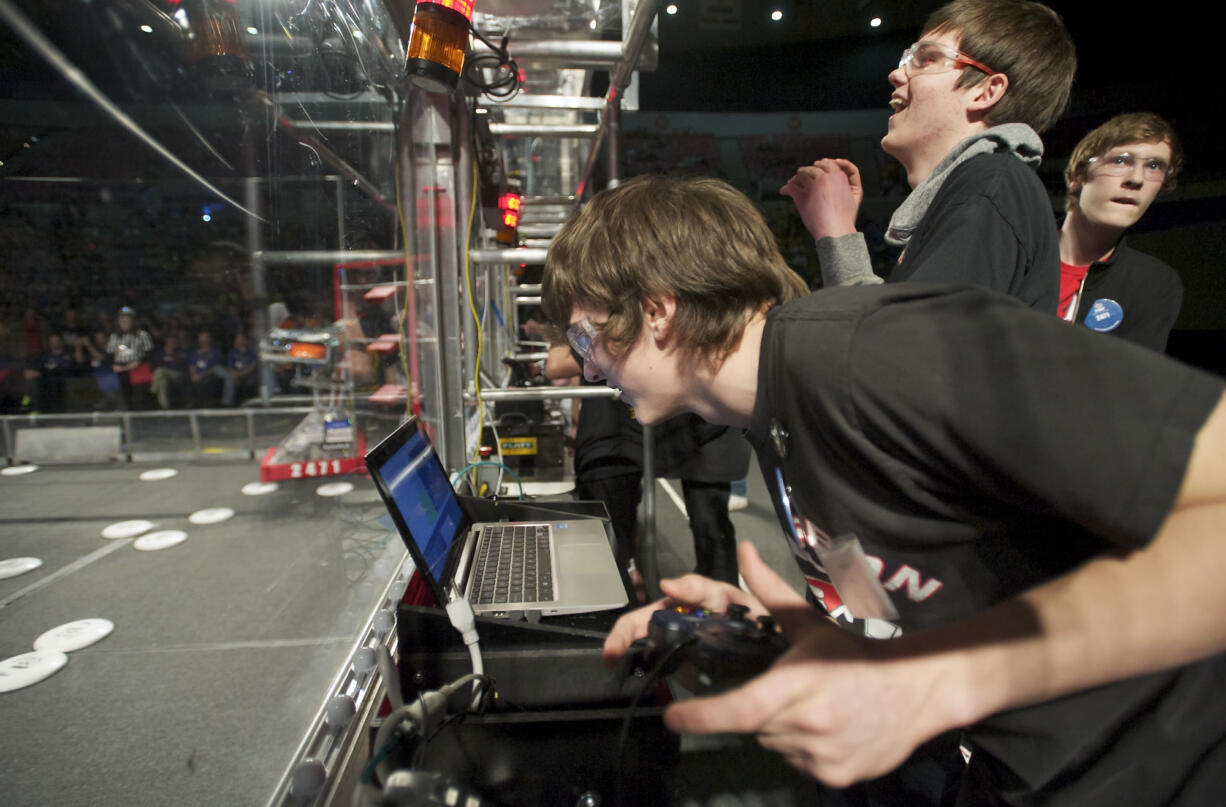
584 556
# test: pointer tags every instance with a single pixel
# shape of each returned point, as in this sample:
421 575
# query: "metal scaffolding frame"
494 262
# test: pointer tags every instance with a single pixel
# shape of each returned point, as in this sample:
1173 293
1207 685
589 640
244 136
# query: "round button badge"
1105 315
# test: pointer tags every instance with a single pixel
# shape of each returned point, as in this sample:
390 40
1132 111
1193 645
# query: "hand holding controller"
704 651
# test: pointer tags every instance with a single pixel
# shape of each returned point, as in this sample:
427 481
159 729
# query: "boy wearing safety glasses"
970 100
965 570
1113 176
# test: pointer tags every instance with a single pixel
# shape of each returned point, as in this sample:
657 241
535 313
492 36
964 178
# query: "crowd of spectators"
78 360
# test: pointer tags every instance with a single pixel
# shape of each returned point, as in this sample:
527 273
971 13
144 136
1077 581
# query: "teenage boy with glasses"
970 100
1113 176
1065 607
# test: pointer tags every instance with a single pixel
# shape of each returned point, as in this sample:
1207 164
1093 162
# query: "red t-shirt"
1070 281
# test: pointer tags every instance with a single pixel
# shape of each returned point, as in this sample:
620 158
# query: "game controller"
706 652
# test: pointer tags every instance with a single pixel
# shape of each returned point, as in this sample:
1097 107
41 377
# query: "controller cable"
650 681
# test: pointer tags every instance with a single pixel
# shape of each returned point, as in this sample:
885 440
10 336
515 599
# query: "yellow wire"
404 313
472 211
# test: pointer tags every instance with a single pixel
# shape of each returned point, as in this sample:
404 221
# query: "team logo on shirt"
904 580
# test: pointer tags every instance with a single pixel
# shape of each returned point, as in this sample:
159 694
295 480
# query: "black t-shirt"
977 449
991 225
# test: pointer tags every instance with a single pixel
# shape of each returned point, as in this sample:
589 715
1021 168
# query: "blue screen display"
423 495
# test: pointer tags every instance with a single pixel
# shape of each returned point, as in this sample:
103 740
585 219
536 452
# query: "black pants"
621 495
714 536
125 388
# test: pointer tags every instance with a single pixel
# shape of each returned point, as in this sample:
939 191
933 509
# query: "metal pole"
330 255
255 244
195 426
639 28
613 126
547 393
647 550
512 255
473 329
573 52
544 129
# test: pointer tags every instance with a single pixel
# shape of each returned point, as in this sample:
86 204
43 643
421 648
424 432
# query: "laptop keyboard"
513 565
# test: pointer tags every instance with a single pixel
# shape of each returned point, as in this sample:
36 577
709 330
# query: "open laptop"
567 566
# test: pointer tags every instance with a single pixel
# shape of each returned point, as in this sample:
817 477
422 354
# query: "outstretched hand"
692 589
836 705
827 196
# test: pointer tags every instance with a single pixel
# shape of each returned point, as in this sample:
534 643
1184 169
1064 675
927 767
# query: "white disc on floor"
18 470
158 474
210 515
29 668
259 488
11 567
74 635
334 489
126 529
162 539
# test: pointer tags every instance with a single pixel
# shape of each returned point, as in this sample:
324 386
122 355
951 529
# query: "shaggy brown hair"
695 238
1026 41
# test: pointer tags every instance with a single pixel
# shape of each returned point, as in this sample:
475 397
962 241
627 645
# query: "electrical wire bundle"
505 81
424 717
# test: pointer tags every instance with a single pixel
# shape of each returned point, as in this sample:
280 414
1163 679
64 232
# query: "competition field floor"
223 645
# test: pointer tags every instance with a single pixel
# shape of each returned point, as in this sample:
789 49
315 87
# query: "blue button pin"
1105 315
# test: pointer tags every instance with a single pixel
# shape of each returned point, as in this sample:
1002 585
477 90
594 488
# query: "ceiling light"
251 29
147 28
875 22
671 8
776 15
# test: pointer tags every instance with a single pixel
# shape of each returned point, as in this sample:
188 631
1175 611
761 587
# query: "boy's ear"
987 93
658 310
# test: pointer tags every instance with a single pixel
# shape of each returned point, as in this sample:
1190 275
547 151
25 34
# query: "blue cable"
472 465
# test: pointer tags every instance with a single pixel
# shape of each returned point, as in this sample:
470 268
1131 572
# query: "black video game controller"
706 652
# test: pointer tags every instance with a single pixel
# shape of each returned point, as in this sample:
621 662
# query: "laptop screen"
422 493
